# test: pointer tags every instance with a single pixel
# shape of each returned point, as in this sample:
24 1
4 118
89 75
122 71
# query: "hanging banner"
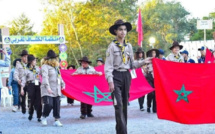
21 40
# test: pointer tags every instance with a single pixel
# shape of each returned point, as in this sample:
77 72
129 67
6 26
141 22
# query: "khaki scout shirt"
172 57
20 71
147 67
114 60
30 76
89 70
50 81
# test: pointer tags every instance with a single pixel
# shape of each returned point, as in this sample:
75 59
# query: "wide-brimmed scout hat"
175 44
149 53
24 52
85 59
51 55
120 23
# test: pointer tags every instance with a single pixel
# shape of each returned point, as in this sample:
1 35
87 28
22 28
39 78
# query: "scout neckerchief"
58 72
33 69
177 57
122 47
23 65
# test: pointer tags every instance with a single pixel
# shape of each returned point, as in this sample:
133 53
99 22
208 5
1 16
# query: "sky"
10 9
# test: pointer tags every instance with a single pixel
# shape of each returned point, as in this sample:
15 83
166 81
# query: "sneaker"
83 116
90 115
58 123
30 117
15 108
44 121
148 110
142 109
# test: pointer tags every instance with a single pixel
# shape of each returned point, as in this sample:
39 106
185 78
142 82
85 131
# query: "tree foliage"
20 26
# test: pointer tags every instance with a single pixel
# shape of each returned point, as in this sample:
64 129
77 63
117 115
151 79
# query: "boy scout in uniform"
33 87
175 55
51 86
19 73
86 109
154 53
139 56
119 59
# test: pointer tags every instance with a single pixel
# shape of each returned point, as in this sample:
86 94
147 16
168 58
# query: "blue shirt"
189 61
201 60
4 63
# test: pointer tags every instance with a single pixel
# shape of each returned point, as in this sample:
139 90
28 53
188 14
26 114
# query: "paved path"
103 123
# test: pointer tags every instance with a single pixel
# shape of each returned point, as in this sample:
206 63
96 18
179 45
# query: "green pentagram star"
182 94
105 96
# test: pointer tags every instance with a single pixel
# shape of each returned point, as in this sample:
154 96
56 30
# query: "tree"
166 21
86 27
20 26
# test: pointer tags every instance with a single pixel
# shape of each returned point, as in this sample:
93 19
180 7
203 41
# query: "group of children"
25 80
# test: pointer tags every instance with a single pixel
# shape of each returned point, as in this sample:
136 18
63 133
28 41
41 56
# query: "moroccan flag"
209 58
94 89
139 29
185 93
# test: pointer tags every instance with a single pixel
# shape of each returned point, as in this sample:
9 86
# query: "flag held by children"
185 92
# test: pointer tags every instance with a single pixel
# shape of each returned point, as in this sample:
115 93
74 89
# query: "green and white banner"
21 40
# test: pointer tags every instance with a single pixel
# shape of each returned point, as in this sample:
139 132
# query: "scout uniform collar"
23 65
177 57
58 71
118 44
122 47
33 69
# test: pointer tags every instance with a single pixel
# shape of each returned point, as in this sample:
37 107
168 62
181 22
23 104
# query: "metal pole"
205 37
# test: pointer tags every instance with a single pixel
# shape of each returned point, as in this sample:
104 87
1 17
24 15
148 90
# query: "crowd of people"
44 96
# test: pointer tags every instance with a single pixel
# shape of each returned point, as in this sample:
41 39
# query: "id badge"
133 74
36 82
58 81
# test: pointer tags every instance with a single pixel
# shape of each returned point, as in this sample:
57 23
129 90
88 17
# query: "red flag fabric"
209 58
185 92
139 28
94 90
